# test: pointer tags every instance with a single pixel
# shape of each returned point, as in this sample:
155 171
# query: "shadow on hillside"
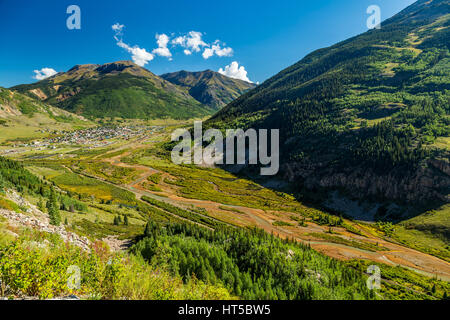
339 202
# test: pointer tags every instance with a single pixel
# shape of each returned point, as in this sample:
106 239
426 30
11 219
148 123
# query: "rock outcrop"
36 219
428 183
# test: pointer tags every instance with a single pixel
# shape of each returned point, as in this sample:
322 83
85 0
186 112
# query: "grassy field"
85 186
218 185
114 174
442 143
91 187
428 232
24 127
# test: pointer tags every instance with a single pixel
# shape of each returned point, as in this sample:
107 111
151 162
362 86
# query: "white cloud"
234 71
224 52
180 41
139 56
208 53
192 42
118 27
217 49
44 73
162 40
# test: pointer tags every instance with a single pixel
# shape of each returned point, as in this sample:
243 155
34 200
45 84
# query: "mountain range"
125 90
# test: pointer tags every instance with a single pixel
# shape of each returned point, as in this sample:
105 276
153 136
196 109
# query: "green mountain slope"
22 117
208 87
119 89
369 115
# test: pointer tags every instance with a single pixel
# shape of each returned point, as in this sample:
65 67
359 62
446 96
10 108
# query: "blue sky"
262 36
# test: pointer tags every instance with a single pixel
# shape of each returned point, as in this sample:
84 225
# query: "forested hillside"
14 175
369 115
255 265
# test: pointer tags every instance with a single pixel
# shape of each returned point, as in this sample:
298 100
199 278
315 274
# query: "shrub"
39 268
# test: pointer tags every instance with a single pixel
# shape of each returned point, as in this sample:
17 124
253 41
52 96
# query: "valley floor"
315 235
138 168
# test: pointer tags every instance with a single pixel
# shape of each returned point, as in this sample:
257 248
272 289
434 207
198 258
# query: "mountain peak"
87 71
83 67
122 66
209 87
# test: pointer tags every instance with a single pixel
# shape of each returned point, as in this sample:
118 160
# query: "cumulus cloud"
180 41
139 55
216 49
44 73
208 53
192 42
162 40
223 52
234 71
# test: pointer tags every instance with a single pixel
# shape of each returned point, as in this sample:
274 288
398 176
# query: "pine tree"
125 220
53 209
116 220
41 205
147 231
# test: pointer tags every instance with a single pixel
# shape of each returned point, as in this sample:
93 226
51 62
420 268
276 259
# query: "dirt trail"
394 255
116 245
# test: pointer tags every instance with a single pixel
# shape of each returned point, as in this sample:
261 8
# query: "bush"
33 267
